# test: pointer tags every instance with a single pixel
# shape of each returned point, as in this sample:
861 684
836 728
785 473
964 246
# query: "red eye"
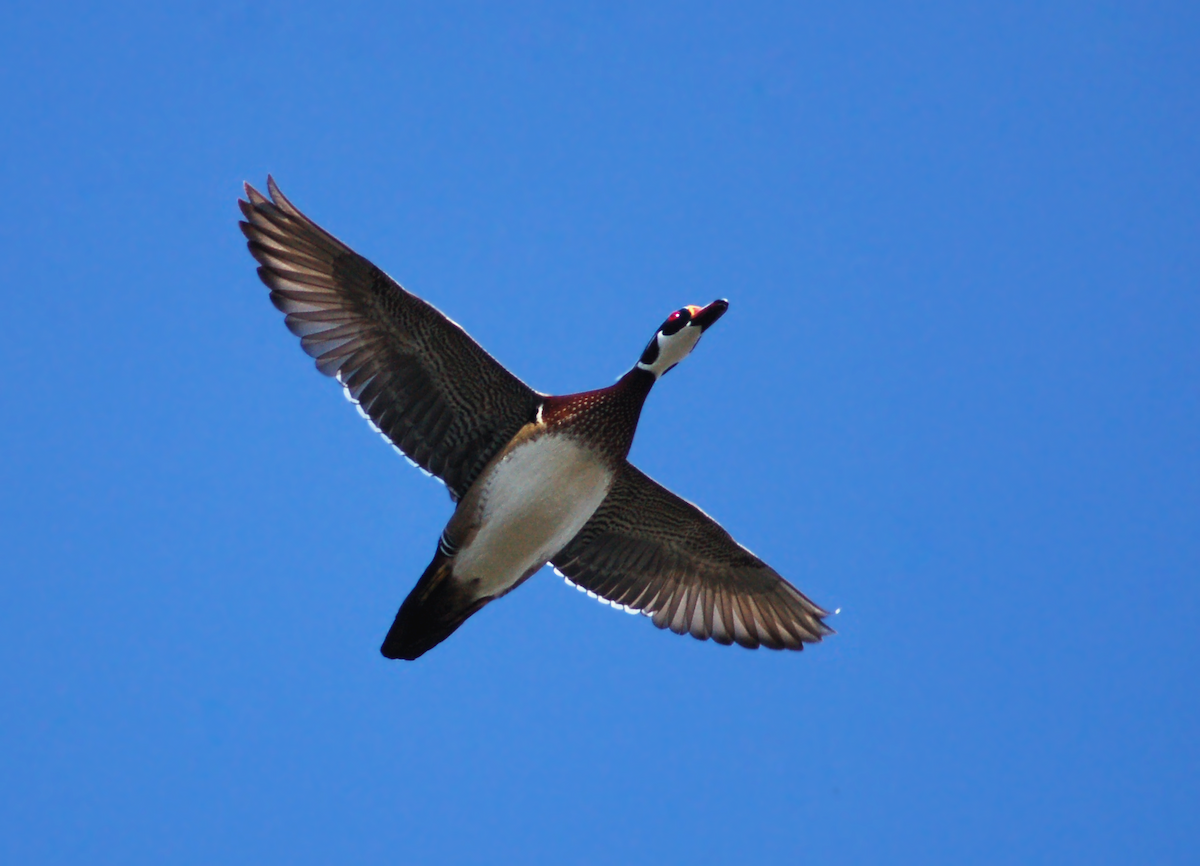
675 322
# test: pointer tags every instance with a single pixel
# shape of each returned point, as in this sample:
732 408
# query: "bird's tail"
436 607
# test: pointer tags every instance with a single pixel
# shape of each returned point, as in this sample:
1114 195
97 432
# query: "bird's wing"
417 376
648 550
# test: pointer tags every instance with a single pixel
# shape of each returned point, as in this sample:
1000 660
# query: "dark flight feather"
420 378
649 550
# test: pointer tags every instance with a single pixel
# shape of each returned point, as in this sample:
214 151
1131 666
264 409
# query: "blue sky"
955 396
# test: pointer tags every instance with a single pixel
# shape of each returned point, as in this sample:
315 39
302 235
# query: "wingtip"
277 196
281 201
256 198
826 628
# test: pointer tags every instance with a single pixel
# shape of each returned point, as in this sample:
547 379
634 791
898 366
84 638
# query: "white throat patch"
672 349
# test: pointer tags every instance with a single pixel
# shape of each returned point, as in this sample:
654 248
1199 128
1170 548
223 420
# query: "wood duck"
537 479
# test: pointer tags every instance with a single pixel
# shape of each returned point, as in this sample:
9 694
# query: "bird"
537 479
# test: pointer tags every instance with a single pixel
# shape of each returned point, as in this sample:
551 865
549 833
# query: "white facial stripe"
673 349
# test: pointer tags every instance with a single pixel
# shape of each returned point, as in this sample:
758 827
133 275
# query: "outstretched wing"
646 549
417 376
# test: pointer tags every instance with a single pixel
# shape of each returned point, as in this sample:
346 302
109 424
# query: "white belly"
532 503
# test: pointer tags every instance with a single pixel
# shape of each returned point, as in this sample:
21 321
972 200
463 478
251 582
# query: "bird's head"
678 335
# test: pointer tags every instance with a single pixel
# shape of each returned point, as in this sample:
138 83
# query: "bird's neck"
607 417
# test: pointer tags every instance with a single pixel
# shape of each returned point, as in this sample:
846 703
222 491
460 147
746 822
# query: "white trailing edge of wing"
616 605
358 407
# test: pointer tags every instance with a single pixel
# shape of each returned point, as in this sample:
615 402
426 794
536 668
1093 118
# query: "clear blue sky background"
955 395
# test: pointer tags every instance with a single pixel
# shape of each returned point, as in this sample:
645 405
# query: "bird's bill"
703 317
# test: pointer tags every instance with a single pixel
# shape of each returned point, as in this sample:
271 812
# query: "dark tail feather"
433 610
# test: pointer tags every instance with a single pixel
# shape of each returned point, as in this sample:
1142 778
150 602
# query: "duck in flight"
537 478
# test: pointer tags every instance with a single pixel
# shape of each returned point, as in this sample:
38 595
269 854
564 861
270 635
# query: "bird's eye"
675 322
